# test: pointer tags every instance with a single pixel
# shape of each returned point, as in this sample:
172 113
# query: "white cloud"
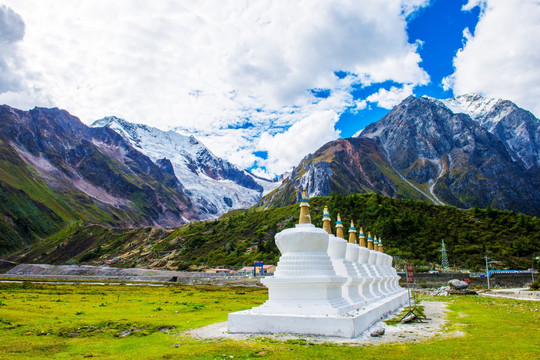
204 65
302 138
412 6
359 105
11 32
501 59
389 98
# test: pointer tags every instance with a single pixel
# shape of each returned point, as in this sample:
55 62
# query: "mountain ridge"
423 150
56 170
215 184
504 119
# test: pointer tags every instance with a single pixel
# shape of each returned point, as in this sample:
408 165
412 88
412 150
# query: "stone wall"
505 280
105 273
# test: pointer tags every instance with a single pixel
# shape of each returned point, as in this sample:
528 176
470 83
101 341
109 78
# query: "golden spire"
381 246
362 238
326 220
339 228
352 233
375 243
304 209
369 241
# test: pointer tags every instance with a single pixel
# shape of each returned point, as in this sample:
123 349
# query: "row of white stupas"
369 272
324 285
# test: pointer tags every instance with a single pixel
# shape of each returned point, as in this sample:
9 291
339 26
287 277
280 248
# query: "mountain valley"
69 192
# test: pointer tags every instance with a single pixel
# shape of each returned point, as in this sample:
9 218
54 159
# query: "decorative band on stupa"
339 228
369 241
352 233
362 238
326 220
305 218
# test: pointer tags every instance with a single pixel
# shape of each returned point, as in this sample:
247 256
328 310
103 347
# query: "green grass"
46 321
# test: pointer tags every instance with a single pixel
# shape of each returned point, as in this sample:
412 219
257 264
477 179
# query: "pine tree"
444 259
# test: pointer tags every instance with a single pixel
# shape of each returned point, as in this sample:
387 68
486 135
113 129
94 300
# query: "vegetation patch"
128 328
411 230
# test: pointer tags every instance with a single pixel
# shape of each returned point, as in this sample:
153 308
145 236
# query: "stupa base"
348 325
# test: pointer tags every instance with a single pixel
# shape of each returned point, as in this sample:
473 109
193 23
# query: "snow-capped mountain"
56 170
214 184
517 128
423 149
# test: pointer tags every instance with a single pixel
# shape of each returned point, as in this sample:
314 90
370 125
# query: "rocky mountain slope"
422 149
54 169
214 184
517 128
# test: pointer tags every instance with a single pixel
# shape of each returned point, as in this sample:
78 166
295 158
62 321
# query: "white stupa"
323 285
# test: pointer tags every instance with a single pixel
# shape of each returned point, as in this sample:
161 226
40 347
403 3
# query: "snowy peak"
161 141
100 177
474 105
518 129
433 150
211 182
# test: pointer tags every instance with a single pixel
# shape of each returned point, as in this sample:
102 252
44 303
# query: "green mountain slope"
54 170
410 229
345 166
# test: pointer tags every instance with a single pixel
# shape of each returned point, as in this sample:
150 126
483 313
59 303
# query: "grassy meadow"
64 321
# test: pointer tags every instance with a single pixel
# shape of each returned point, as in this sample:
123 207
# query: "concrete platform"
348 325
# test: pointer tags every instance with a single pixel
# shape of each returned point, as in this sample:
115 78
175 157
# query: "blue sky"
439 27
263 83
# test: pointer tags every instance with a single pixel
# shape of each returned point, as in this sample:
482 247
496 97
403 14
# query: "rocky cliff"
425 149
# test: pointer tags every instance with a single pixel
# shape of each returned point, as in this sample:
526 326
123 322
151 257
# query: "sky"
263 83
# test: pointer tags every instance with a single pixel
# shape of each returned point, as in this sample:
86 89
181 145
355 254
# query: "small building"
248 270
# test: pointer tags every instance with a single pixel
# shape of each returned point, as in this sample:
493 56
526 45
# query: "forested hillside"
412 230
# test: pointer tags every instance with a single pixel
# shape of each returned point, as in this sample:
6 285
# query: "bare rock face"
515 127
481 154
473 166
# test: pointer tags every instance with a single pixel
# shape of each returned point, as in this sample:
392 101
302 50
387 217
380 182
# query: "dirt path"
516 293
412 332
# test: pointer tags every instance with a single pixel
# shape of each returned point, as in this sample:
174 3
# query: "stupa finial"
339 227
305 218
362 238
369 241
381 246
352 233
326 220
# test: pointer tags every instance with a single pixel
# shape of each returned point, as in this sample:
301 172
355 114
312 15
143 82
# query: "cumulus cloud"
387 99
11 32
207 66
501 58
411 7
302 138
